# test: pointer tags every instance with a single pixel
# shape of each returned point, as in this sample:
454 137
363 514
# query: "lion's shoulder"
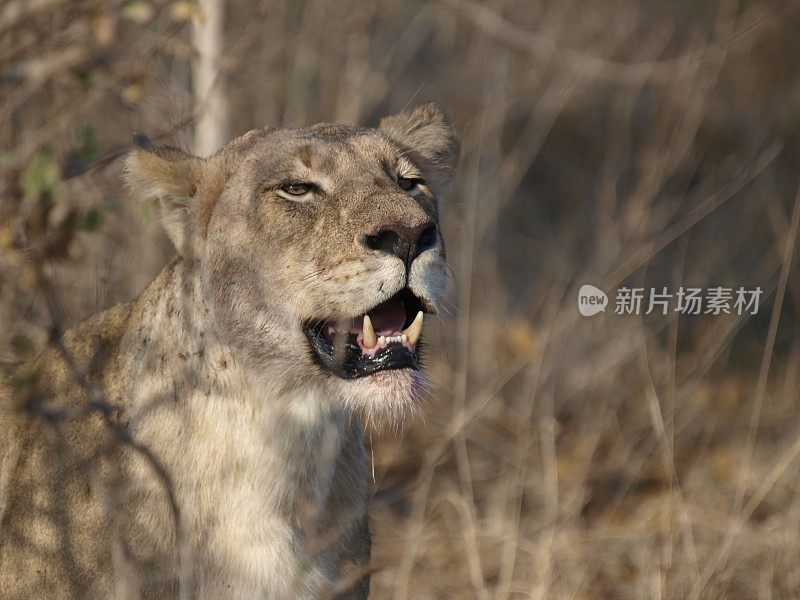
89 355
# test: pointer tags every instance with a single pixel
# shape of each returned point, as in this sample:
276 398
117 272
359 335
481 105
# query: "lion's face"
319 251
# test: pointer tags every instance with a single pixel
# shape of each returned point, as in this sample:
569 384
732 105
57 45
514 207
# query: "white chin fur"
385 397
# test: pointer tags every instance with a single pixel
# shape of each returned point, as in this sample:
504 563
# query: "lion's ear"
176 179
428 132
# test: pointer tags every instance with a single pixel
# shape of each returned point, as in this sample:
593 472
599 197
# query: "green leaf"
23 382
147 212
42 176
22 346
138 11
88 78
89 148
91 220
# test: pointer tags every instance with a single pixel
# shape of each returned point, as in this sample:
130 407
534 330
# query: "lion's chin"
385 398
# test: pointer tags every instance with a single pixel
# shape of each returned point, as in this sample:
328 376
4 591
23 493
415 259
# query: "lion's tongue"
388 318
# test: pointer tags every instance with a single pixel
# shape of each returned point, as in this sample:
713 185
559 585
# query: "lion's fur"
208 370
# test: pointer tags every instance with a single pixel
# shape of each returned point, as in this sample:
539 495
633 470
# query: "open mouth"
386 337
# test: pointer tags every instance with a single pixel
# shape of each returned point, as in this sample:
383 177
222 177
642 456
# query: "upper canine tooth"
414 330
370 339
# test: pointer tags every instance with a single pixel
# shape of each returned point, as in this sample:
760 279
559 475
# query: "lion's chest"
247 476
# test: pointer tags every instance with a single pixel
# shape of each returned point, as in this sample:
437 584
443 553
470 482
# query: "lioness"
204 440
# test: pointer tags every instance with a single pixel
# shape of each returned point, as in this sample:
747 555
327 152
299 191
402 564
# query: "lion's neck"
193 400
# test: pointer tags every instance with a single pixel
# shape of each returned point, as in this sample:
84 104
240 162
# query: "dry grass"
627 142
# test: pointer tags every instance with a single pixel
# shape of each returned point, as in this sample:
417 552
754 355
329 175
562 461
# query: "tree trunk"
211 128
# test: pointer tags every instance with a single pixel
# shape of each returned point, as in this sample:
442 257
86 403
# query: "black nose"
406 243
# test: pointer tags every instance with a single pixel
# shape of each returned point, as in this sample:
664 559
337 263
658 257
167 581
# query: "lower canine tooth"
370 339
415 329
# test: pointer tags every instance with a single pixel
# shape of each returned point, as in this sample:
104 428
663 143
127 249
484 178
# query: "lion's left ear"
185 186
429 133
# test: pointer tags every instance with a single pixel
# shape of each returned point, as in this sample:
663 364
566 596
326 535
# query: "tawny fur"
209 372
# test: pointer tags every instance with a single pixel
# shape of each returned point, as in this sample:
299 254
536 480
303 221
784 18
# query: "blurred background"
626 142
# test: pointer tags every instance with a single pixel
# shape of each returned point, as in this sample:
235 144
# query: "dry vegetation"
624 142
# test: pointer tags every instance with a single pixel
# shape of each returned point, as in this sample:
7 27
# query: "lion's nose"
406 243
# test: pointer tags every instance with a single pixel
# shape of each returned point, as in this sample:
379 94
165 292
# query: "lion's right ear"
428 133
175 178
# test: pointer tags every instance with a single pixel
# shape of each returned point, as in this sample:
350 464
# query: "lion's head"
317 251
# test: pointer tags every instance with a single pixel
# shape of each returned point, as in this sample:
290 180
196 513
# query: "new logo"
591 300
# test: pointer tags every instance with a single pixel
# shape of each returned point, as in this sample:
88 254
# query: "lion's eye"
408 184
297 189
